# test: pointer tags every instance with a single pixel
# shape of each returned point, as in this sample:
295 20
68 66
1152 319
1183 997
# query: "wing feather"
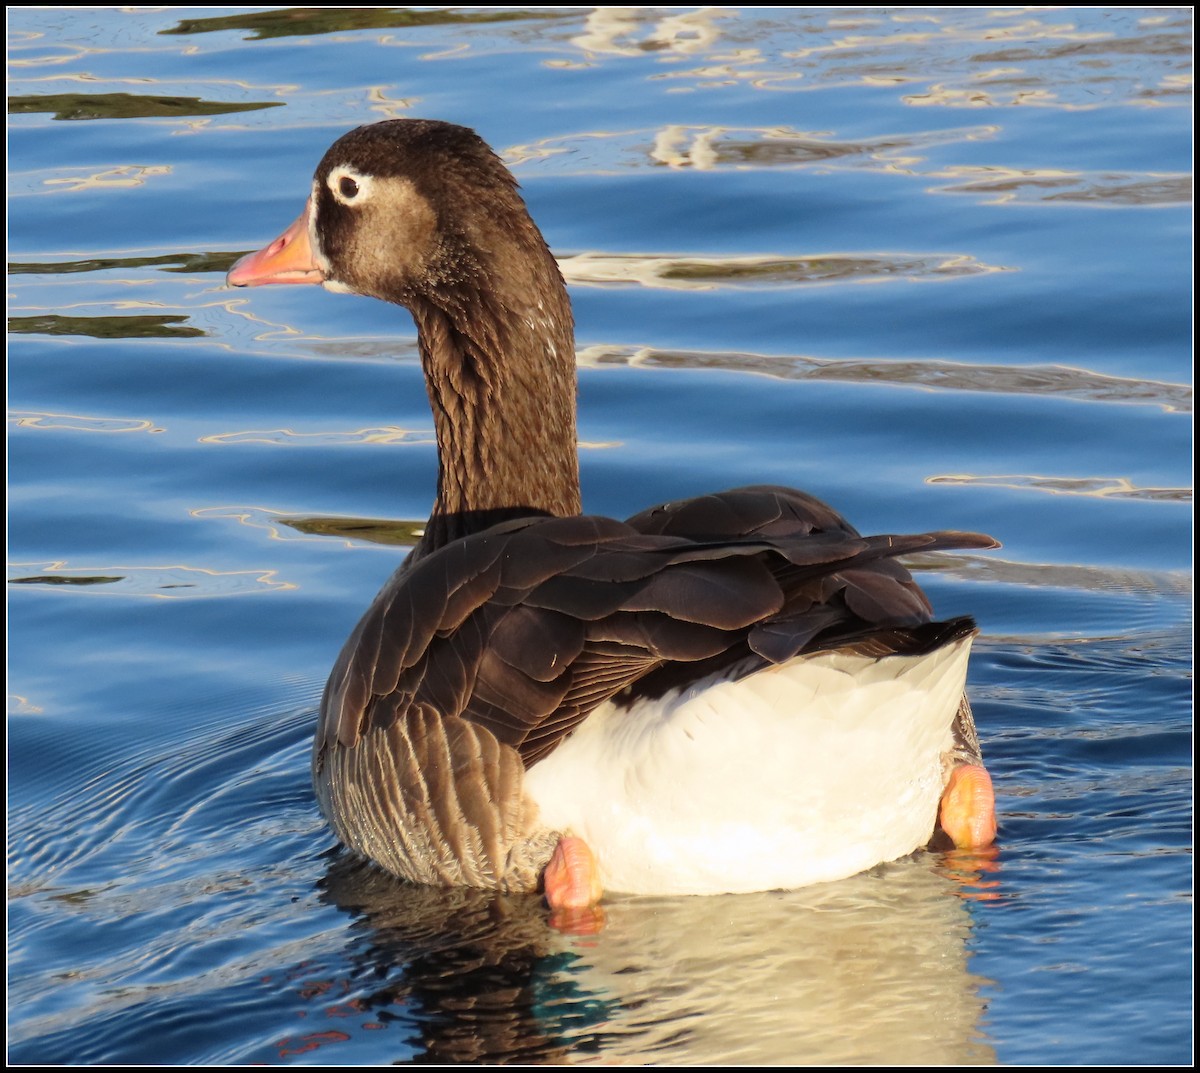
522 629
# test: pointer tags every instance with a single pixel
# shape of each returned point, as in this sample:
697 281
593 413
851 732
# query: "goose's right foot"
573 889
968 808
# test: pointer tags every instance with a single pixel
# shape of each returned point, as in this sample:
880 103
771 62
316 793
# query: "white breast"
805 772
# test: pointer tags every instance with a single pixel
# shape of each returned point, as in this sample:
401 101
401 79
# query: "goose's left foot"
573 888
968 809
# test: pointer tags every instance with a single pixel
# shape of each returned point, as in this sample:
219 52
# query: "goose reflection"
870 970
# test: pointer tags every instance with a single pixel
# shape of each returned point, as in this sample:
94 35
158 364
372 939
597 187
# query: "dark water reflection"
303 21
126 106
461 975
145 327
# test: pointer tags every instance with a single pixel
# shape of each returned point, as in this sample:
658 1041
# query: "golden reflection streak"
46 61
670 147
392 435
173 87
138 580
1095 487
19 705
80 423
388 107
447 52
123 304
126 175
262 518
283 437
680 34
240 306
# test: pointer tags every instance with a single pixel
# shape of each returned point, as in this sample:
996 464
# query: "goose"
731 693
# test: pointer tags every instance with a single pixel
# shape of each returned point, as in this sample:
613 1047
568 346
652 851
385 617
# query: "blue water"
931 265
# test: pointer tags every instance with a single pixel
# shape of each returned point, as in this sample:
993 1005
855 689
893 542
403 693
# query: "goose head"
423 214
411 211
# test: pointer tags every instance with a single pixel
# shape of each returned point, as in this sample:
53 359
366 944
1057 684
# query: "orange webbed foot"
573 888
968 809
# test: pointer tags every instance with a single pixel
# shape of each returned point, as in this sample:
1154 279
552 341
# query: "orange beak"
288 259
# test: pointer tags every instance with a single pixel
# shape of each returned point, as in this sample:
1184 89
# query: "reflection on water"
118 178
367 530
176 582
705 273
712 148
457 972
1007 185
353 532
126 105
617 31
302 21
140 327
169 262
286 437
1057 380
79 423
1057 64
869 971
1101 487
707 148
64 579
1064 576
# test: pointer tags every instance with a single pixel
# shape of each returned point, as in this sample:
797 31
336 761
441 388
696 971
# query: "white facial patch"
349 186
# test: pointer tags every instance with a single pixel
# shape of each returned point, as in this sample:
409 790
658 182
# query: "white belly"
806 772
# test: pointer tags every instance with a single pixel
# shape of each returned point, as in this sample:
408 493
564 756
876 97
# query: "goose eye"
347 187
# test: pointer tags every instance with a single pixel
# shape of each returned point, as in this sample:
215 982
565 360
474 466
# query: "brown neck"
500 370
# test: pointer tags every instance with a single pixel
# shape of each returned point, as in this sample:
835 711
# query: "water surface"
930 265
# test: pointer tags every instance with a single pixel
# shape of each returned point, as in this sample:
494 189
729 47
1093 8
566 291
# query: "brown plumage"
516 617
